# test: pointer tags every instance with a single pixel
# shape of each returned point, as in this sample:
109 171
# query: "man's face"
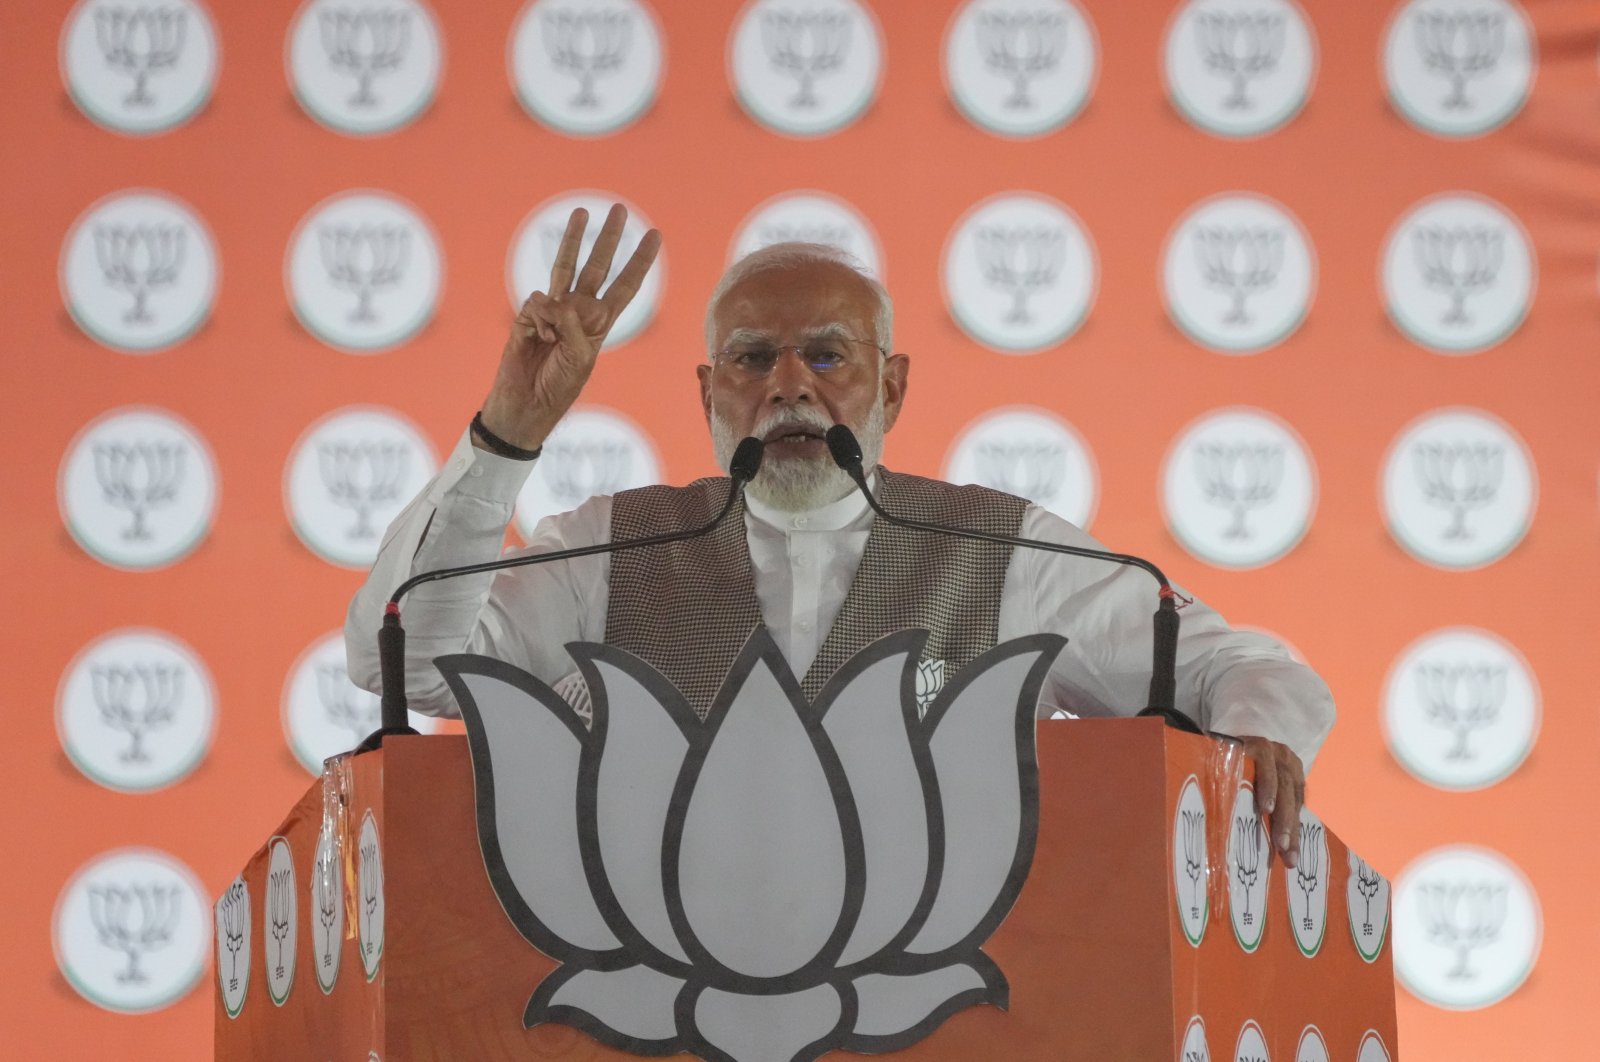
790 406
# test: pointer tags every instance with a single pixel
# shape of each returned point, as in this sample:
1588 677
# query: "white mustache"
792 418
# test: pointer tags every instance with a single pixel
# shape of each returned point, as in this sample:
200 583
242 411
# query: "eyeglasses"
821 356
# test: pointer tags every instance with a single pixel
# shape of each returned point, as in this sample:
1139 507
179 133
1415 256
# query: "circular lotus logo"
363 68
1238 488
364 272
1020 71
327 906
1461 708
1238 274
139 68
769 882
1252 1043
1020 273
1366 898
1194 1047
135 710
130 930
533 252
1191 867
232 915
349 475
1467 927
139 271
805 68
137 488
1307 885
593 451
810 217
1372 1048
586 67
369 895
1249 866
1312 1047
280 922
1459 489
1032 454
1239 68
1458 274
1459 68
324 713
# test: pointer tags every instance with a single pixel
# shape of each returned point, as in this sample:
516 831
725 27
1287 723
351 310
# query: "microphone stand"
846 452
392 636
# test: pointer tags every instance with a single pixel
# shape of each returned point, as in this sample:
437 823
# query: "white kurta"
1236 682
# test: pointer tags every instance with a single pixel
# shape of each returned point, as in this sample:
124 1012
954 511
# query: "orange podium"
1152 923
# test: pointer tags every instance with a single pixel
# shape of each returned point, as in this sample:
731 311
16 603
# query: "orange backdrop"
251 597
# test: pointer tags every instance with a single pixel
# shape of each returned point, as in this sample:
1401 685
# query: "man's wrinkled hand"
1280 793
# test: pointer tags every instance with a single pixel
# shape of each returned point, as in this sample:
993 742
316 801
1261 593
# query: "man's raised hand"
557 334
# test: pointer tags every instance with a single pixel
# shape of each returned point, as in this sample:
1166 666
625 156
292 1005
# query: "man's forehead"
812 296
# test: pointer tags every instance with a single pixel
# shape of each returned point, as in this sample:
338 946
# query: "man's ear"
895 369
704 374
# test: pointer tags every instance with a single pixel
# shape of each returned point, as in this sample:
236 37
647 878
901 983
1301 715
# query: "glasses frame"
724 357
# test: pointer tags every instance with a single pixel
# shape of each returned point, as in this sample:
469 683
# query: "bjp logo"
781 879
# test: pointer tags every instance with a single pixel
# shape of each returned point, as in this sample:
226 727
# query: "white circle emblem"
369 897
1249 867
586 67
280 923
1459 68
1461 708
1252 1043
327 906
364 271
136 710
810 217
1238 273
1239 68
1031 453
139 271
324 713
592 451
349 475
1312 1047
1459 488
805 67
130 930
1191 863
1194 1047
1366 897
233 946
1458 273
538 238
364 68
1020 71
1467 927
1306 885
138 488
1239 488
139 68
1020 273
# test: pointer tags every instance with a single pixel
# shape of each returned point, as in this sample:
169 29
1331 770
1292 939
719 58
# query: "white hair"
792 255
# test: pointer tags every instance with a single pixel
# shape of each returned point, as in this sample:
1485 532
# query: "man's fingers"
1286 820
605 247
537 316
566 264
1266 782
626 286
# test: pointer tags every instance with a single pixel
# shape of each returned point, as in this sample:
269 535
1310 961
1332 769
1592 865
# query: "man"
799 340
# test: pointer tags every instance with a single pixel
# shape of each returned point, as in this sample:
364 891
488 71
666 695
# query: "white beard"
797 484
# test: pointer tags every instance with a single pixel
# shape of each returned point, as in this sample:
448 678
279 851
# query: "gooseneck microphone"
746 462
846 453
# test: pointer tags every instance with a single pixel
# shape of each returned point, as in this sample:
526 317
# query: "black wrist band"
499 445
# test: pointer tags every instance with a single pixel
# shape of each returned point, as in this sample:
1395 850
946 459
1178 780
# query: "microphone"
742 468
846 452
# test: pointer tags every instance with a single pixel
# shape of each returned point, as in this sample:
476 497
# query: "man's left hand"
1280 793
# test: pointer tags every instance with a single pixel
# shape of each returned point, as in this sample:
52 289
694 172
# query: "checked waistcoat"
687 607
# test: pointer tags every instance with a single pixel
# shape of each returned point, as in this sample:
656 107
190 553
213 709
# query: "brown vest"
688 607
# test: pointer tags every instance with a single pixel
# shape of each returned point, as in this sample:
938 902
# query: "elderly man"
799 340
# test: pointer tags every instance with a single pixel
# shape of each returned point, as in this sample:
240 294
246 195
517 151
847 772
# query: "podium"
1151 925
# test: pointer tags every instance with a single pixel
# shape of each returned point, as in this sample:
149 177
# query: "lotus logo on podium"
779 879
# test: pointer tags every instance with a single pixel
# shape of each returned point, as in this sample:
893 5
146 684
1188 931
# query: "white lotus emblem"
783 879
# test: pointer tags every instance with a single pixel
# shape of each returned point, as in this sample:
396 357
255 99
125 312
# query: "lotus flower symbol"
781 879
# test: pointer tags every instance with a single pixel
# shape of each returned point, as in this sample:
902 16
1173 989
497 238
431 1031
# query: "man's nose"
791 379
